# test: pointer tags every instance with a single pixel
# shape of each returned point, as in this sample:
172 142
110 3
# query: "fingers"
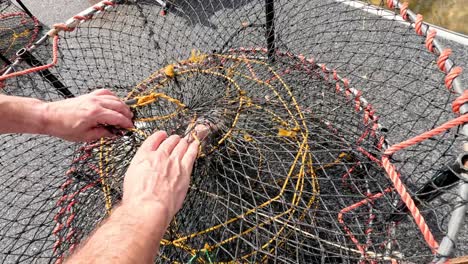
110 117
107 99
189 157
110 97
169 144
152 142
180 149
118 106
102 92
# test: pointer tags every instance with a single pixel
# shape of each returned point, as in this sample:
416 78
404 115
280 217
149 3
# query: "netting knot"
292 133
337 88
144 100
169 71
207 247
346 83
57 228
196 56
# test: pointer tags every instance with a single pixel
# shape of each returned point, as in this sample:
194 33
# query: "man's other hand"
159 174
82 118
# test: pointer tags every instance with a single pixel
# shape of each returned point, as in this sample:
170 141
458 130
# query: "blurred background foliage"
450 14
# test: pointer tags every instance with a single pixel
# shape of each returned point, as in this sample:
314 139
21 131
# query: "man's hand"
82 118
159 173
155 186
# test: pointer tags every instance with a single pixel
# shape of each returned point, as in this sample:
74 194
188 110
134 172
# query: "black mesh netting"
299 118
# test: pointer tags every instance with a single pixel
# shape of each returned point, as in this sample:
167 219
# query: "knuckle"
162 133
93 100
103 91
174 159
94 110
165 153
161 154
174 137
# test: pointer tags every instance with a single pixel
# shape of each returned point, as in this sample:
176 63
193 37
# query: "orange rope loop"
430 39
454 73
444 55
461 100
418 24
404 11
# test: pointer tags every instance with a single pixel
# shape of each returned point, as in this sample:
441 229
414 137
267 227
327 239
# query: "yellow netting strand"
25 33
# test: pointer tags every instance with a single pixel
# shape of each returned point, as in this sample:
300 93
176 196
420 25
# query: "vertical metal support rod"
457 220
270 28
5 59
25 9
27 57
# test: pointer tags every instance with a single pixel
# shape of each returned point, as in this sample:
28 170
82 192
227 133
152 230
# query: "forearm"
22 115
129 235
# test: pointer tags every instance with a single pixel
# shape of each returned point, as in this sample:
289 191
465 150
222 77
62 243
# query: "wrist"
146 221
42 117
134 229
154 216
48 119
